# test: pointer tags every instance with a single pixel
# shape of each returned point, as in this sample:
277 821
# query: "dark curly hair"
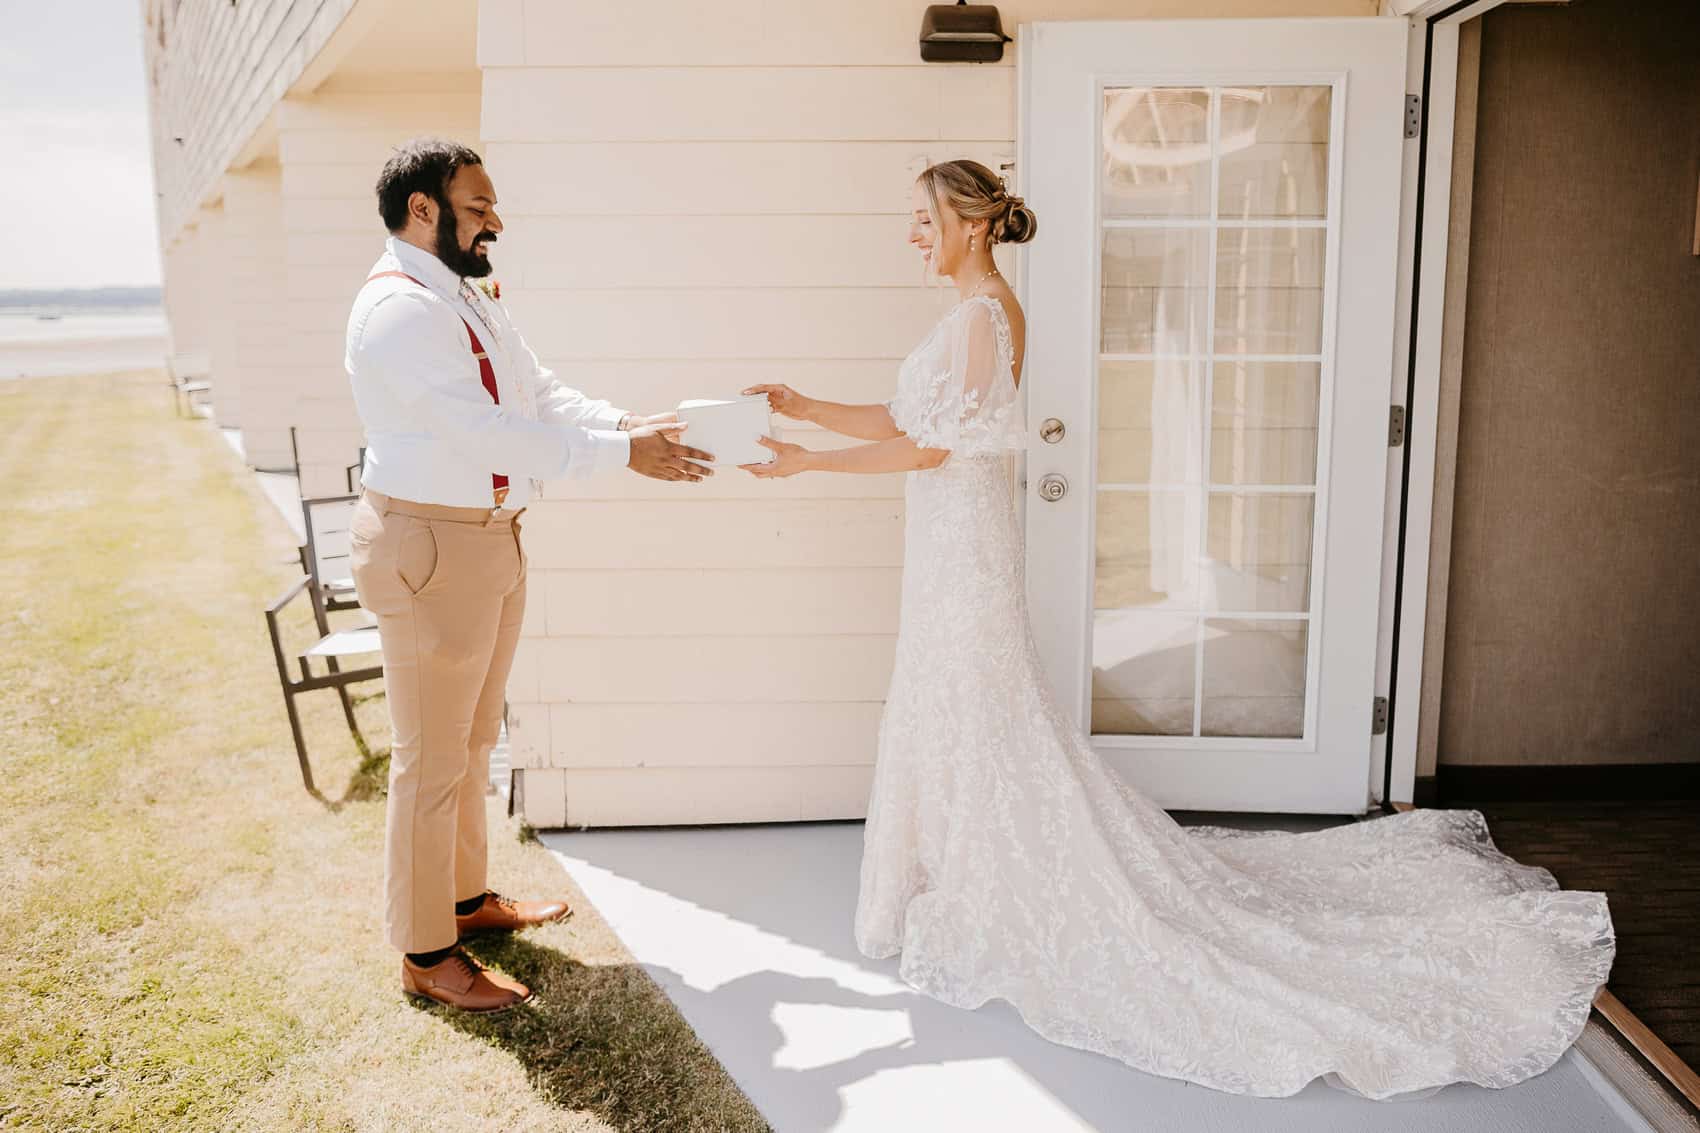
423 165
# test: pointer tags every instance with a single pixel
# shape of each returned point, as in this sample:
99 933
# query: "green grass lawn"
190 941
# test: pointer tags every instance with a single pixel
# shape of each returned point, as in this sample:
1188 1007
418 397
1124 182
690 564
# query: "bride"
1003 860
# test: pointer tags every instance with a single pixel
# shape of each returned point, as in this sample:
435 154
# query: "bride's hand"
784 400
788 461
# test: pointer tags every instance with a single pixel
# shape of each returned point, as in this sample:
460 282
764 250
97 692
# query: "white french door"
1210 305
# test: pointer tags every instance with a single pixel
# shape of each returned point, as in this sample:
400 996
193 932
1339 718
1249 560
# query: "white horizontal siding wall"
331 147
253 211
699 197
193 267
213 250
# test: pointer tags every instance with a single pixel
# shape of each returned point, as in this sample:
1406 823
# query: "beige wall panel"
708 603
319 287
702 735
715 104
524 680
326 215
366 113
326 443
707 251
824 322
501 32
714 670
369 146
755 32
757 535
1572 634
733 483
724 178
645 386
330 252
544 795
218 279
528 735
711 794
349 182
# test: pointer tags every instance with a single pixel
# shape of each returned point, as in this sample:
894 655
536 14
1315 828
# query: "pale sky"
77 196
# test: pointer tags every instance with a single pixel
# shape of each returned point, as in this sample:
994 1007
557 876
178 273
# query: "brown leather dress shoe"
499 914
460 981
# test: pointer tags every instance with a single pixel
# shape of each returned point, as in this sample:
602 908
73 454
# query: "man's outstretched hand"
657 453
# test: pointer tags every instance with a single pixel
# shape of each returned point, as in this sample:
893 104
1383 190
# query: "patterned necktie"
469 294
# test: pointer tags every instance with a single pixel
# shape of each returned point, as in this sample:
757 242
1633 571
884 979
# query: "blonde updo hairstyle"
973 192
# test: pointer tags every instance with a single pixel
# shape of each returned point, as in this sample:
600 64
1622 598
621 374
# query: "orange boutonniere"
492 288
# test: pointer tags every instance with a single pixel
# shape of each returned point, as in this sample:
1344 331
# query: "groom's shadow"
604 1039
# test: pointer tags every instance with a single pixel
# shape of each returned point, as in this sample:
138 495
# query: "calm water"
80 343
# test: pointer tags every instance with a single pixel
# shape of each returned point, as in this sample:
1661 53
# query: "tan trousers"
447 586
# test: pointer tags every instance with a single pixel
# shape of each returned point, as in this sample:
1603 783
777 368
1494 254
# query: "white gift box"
728 429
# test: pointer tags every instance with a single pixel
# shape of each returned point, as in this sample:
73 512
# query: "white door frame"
1432 73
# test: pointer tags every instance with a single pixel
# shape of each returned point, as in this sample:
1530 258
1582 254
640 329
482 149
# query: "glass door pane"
1214 231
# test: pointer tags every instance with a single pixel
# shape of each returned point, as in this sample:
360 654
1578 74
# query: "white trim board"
1434 167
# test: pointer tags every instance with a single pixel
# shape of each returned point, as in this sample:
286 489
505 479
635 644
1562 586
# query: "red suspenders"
486 373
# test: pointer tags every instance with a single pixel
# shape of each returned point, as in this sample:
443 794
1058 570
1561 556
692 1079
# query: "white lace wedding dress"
1003 860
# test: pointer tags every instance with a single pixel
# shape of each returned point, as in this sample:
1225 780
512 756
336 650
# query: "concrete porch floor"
748 930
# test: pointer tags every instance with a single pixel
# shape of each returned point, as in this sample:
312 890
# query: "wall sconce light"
962 33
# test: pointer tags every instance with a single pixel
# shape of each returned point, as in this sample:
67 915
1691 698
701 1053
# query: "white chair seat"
346 643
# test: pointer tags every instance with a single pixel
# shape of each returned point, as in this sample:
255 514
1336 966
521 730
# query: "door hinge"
1378 717
1413 115
1395 426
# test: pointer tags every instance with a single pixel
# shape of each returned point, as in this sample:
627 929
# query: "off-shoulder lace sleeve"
964 399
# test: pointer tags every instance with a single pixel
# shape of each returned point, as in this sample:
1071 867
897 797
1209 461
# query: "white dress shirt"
432 433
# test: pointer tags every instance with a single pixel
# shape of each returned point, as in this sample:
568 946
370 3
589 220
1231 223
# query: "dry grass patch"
191 941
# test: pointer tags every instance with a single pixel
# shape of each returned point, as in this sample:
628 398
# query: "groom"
462 424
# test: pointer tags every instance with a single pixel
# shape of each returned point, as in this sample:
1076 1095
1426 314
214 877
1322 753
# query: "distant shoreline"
80 341
68 300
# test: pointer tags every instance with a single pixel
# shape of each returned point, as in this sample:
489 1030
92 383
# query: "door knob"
1051 431
1052 487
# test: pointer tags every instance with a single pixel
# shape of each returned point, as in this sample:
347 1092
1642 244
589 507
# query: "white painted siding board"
529 741
544 797
720 535
724 178
870 250
737 104
501 32
643 796
524 682
729 482
866 33
743 32
759 322
651 386
334 214
714 670
370 146
365 111
701 735
349 182
721 603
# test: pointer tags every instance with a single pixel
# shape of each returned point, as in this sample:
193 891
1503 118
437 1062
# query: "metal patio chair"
353 471
328 581
188 374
